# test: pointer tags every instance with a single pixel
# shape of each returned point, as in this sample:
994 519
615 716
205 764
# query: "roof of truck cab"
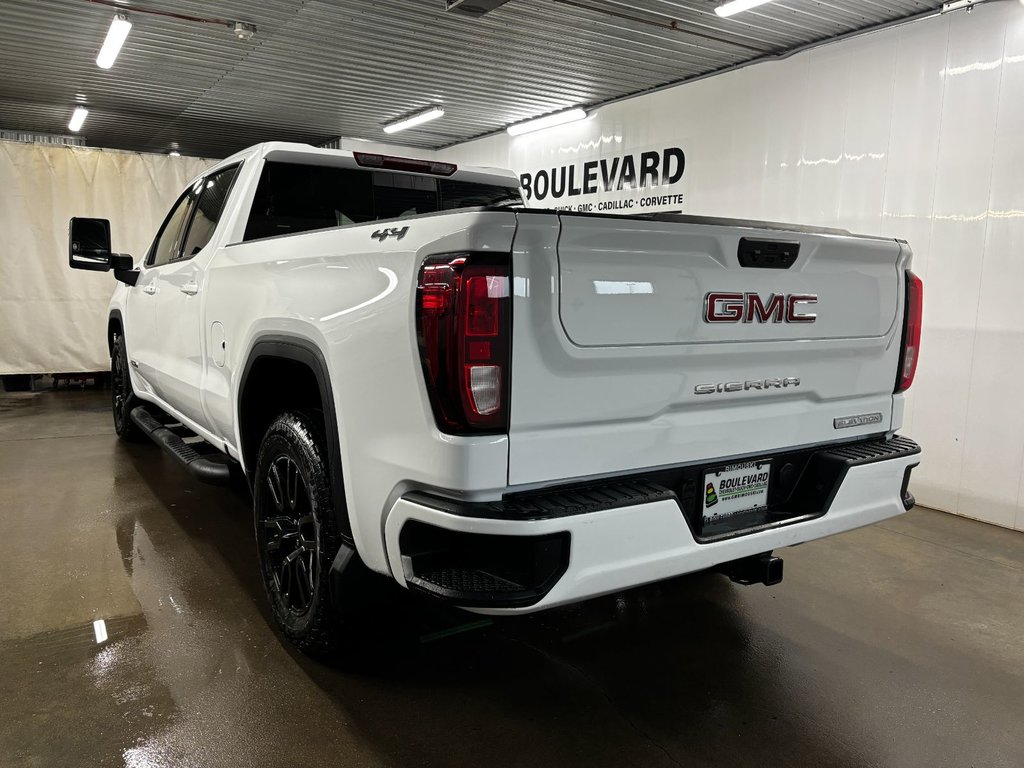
293 152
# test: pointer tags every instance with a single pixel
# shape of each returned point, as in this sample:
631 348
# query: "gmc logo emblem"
721 307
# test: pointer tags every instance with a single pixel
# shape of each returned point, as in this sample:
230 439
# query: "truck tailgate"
620 364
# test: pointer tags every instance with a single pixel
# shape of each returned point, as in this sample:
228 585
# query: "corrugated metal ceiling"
317 70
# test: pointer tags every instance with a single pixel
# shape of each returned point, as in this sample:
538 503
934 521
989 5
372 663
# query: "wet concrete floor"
897 645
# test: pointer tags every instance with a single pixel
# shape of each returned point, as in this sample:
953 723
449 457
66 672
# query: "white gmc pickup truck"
507 409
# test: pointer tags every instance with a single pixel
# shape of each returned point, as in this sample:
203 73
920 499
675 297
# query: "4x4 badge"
383 234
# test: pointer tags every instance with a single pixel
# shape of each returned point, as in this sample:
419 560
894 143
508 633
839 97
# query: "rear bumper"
562 554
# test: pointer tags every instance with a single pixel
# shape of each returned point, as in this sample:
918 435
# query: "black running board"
202 468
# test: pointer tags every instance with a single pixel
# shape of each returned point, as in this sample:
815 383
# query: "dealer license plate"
736 488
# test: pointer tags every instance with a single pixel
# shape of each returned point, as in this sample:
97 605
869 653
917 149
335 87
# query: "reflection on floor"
896 645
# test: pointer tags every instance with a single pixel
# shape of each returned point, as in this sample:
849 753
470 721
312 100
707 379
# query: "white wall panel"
914 132
870 64
994 439
963 172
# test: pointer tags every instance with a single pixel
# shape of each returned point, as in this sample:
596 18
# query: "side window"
168 240
213 195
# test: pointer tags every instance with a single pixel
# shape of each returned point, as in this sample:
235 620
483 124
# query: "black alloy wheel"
296 533
291 536
122 396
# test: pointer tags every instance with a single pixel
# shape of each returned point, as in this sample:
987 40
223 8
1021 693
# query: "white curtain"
52 318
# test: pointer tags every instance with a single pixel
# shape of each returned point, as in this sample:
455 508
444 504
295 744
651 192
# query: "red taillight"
463 325
911 332
482 309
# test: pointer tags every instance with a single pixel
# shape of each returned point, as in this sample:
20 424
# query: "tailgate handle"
767 254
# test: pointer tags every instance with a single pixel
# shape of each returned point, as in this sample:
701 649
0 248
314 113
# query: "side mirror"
89 244
89 248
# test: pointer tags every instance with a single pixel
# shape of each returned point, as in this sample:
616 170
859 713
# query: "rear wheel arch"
301 363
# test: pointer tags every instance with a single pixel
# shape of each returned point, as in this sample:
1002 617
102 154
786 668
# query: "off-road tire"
122 396
294 517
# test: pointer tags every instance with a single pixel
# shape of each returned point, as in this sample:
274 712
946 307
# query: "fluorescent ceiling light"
559 118
738 6
432 113
174 153
77 118
116 35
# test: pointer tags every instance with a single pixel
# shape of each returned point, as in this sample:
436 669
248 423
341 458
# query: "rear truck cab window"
528 407
294 197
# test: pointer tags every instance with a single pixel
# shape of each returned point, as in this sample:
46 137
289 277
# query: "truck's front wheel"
296 534
122 396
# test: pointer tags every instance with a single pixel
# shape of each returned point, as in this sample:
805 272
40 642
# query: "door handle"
190 289
150 289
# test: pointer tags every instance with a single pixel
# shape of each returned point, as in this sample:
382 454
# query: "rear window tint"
468 194
293 197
